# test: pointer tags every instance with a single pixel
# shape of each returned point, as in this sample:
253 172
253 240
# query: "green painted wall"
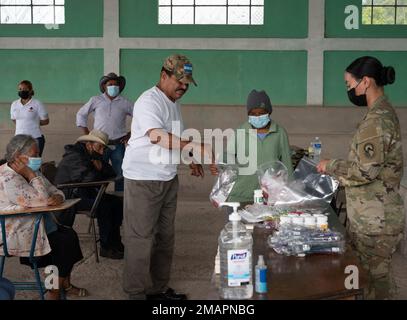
83 18
335 23
283 18
334 83
57 75
224 77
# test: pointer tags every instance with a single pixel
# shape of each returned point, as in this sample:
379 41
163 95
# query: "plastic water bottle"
317 144
235 249
311 150
261 275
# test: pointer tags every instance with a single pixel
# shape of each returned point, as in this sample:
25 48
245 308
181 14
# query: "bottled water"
317 146
311 150
235 249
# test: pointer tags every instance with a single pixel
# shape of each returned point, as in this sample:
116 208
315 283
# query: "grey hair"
20 143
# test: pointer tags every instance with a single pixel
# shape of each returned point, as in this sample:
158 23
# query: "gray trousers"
148 223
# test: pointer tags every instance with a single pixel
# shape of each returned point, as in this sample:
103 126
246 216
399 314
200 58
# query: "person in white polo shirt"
151 183
29 114
110 110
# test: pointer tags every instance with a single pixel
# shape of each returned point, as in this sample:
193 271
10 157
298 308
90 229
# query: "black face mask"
360 101
24 94
96 156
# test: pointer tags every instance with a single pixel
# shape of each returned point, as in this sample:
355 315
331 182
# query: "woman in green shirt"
271 140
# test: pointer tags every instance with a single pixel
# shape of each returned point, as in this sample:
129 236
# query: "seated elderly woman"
22 185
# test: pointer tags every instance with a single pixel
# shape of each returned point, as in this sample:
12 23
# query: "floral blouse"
17 193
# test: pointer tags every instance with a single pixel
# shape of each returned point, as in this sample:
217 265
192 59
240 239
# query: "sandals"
81 292
48 293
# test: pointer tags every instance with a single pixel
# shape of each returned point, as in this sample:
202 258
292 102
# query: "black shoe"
111 253
170 294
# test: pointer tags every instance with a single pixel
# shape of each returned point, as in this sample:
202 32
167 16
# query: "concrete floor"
197 227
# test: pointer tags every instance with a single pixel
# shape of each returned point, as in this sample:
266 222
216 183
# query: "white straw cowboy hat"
95 136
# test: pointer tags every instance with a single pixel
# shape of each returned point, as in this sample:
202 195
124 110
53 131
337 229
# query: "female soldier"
372 174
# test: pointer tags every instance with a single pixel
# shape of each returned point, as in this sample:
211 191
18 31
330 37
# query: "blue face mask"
113 91
260 121
34 163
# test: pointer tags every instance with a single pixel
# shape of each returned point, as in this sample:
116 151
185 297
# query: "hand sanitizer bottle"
235 249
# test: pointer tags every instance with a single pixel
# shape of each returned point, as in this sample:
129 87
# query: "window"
206 12
384 12
32 11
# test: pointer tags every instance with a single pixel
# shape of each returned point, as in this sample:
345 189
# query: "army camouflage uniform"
371 177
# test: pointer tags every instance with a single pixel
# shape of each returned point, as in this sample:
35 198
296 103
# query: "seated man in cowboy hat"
110 110
84 162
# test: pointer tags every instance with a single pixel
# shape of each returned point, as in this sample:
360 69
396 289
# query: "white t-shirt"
144 160
28 117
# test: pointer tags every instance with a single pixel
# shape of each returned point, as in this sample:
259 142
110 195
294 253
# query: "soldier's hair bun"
388 76
371 67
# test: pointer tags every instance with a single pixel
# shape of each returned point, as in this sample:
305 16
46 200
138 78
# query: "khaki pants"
148 222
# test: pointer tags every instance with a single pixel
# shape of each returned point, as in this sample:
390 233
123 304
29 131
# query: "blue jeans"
41 144
7 290
116 157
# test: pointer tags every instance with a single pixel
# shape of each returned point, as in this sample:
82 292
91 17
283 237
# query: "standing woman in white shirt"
29 114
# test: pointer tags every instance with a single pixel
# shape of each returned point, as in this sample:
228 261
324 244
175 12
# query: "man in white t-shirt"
29 114
151 183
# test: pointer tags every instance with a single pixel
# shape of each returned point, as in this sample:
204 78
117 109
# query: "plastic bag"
317 185
257 213
224 184
293 240
273 178
307 189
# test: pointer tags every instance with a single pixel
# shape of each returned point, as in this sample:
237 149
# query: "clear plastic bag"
306 189
318 187
257 212
224 184
273 179
293 240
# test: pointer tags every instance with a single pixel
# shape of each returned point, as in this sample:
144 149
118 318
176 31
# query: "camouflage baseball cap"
181 67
